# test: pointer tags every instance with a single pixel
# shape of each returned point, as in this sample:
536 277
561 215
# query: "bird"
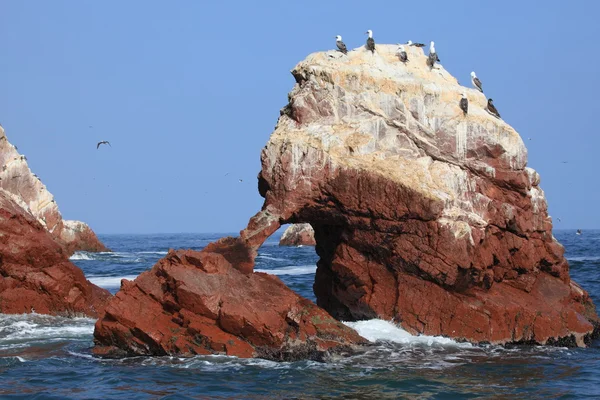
402 54
464 104
410 43
578 232
241 180
102 142
433 57
370 41
476 82
558 219
492 109
340 45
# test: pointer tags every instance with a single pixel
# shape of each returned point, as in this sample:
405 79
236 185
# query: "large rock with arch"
422 215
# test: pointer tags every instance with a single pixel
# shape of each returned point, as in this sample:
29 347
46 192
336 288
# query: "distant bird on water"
492 109
370 41
433 57
410 43
464 104
402 54
102 142
340 45
476 82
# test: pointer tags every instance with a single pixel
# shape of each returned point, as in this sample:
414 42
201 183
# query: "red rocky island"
421 215
35 244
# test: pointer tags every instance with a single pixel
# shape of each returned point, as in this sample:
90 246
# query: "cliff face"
298 235
35 274
31 194
421 214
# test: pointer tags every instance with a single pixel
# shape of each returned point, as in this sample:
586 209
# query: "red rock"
31 194
421 215
197 303
298 235
35 273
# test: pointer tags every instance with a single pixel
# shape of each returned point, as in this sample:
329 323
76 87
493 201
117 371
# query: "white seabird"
340 45
370 41
402 54
476 82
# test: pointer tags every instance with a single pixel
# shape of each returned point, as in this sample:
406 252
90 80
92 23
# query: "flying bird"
340 45
464 104
410 43
102 142
402 54
476 82
492 109
433 57
370 41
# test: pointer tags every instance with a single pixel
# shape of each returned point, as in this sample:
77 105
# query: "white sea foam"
158 253
379 330
32 327
265 257
291 270
584 258
109 281
81 255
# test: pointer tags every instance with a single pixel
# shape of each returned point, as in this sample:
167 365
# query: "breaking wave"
291 270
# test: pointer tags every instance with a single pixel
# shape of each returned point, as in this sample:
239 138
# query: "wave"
81 255
376 330
584 258
19 328
291 270
107 282
266 257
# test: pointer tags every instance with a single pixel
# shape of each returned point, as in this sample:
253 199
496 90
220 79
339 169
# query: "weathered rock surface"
32 195
298 235
421 214
35 273
197 303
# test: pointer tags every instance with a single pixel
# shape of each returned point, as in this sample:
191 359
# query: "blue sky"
188 91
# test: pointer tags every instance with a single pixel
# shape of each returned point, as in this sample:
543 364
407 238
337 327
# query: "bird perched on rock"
464 104
102 142
476 82
492 109
402 54
433 57
370 41
340 45
410 43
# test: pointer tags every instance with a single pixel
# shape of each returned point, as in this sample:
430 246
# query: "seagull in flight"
102 142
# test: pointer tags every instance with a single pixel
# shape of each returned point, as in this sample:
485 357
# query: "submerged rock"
421 214
35 273
197 303
298 235
34 197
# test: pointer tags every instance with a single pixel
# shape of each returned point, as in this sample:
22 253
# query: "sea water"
49 357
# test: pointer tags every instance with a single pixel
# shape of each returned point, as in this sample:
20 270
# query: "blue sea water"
49 357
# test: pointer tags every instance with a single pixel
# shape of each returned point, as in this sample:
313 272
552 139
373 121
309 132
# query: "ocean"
46 357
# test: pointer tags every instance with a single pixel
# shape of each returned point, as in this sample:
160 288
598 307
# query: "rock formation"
197 303
32 195
298 235
421 215
35 273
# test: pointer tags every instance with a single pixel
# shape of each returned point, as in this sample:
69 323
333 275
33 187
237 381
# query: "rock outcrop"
298 235
197 303
34 197
35 273
421 214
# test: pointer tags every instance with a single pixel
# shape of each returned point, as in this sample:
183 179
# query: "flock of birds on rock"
432 58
